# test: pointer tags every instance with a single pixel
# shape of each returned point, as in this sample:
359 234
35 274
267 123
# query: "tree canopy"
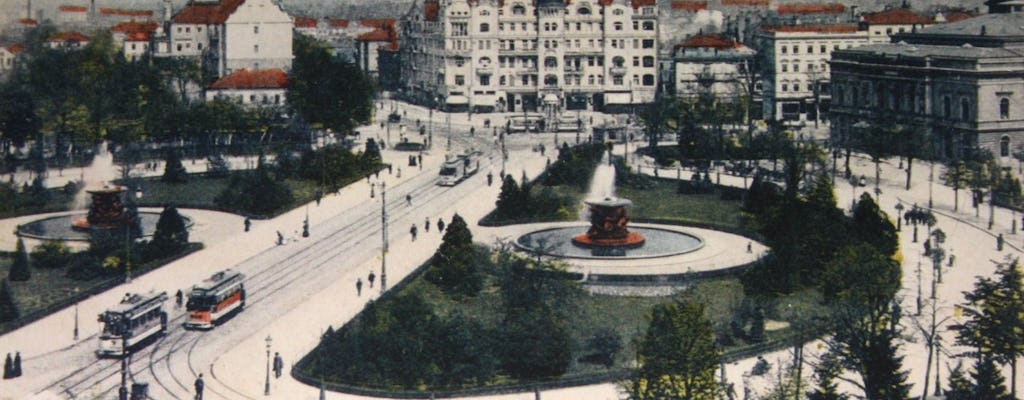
326 91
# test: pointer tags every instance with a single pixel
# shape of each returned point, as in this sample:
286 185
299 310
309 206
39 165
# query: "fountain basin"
654 242
63 227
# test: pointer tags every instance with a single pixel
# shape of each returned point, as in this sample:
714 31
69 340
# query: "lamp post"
899 219
384 238
266 388
430 122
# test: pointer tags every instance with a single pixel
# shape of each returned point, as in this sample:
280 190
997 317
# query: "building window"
617 26
583 11
796 87
785 87
617 80
648 25
1004 108
648 61
810 49
947 107
636 25
485 27
485 80
550 80
502 81
518 10
636 61
590 79
648 79
785 67
617 11
648 43
256 29
785 49
1004 146
796 67
823 49
255 48
551 62
460 80
965 110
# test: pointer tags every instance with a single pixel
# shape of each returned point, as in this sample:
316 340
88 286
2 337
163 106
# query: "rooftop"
711 42
213 13
897 16
338 23
746 3
16 48
74 9
70 36
122 12
957 16
305 22
987 25
256 79
807 8
691 6
138 36
933 51
132 26
838 28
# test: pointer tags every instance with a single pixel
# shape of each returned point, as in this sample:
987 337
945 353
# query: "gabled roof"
73 9
132 26
710 41
70 36
897 16
746 3
842 28
798 8
383 30
207 13
122 12
338 23
28 22
257 79
691 6
431 11
995 25
957 16
138 36
305 22
17 48
644 3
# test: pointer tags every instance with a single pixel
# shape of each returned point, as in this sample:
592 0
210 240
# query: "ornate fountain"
107 210
608 225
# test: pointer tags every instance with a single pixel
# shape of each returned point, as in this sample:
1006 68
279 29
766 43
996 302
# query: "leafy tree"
509 205
877 142
873 226
171 234
826 372
18 118
20 269
535 342
960 387
51 254
371 158
995 317
677 355
8 307
657 116
174 171
860 285
217 166
913 143
757 326
255 192
464 352
326 91
454 266
957 176
39 195
988 381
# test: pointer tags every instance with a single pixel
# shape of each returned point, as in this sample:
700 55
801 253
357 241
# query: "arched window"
617 26
501 80
965 110
1004 108
485 27
617 11
550 80
485 13
618 61
1004 146
648 61
550 62
518 10
583 11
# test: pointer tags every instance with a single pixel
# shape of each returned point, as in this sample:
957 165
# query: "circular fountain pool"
61 228
660 242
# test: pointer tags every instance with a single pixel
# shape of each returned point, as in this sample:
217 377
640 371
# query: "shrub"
51 254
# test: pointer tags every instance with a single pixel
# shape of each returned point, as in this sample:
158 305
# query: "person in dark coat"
16 369
199 387
440 226
371 278
248 223
278 365
413 231
359 287
8 367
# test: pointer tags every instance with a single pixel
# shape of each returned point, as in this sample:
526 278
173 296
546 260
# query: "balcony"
485 70
617 71
571 68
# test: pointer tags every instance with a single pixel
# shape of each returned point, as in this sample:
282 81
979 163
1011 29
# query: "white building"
228 35
67 40
8 55
133 38
546 55
713 65
883 24
263 88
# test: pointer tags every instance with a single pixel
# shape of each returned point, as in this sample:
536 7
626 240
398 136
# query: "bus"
215 298
135 319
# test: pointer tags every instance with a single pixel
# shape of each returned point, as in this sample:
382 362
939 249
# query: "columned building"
715 66
962 83
530 55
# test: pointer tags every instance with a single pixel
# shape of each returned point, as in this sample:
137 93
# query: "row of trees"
528 200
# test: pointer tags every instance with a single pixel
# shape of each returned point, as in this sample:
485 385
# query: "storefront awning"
456 100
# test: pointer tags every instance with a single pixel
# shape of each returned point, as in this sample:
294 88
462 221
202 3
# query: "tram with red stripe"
214 299
131 322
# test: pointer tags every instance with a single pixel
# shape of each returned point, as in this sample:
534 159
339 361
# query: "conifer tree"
20 270
8 307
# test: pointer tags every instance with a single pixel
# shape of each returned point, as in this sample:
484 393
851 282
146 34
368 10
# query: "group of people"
200 385
426 227
12 368
359 283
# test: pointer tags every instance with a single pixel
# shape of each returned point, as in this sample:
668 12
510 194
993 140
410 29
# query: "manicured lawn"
203 190
662 202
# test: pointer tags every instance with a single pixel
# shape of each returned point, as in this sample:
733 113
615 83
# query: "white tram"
215 298
138 317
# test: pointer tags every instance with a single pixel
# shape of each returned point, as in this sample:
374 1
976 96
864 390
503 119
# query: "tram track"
265 280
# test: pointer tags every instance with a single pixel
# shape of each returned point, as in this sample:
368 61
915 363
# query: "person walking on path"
426 224
247 223
999 242
440 226
359 286
952 257
408 200
280 238
278 365
16 369
371 277
8 367
178 298
199 387
412 231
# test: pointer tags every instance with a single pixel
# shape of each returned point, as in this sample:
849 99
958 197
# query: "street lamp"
266 388
384 238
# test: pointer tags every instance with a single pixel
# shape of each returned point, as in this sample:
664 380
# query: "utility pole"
383 238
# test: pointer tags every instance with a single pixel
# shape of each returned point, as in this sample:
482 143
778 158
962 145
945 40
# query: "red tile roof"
691 6
378 23
28 22
338 23
76 9
70 36
897 16
745 3
305 22
126 12
207 13
16 48
138 36
710 41
130 27
257 79
384 30
644 3
846 28
811 8
956 16
431 10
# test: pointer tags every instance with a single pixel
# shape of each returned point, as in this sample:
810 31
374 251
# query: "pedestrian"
371 277
472 130
999 242
952 257
490 177
750 248
178 298
440 226
280 238
359 286
377 174
399 174
408 200
247 223
927 247
199 387
412 231
278 365
426 224
419 160
8 367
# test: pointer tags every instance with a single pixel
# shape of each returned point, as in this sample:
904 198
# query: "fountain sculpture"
608 222
107 210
